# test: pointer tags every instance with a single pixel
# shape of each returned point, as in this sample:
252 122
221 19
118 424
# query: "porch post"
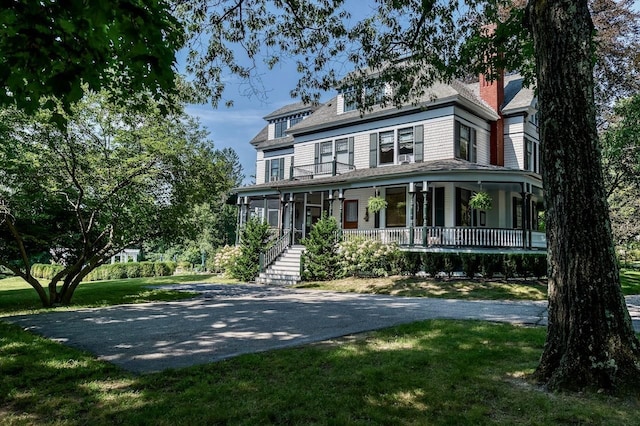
265 209
330 202
412 193
529 221
281 215
425 192
341 199
523 194
291 214
239 220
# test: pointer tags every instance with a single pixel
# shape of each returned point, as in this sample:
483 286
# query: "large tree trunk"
590 339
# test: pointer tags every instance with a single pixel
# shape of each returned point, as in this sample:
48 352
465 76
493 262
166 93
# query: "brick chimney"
492 92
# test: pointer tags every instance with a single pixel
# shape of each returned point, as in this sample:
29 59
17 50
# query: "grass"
432 372
630 281
17 297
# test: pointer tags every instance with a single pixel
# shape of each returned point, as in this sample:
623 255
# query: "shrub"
119 271
254 239
470 264
451 263
365 257
133 270
147 269
321 254
409 263
509 266
490 264
45 271
433 263
224 259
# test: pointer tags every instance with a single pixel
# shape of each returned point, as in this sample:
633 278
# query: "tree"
621 165
590 341
254 239
53 49
321 252
111 178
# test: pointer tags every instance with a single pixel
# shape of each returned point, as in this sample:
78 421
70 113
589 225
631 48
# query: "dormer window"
280 127
350 100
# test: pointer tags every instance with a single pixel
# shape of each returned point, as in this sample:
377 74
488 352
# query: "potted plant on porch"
376 203
481 201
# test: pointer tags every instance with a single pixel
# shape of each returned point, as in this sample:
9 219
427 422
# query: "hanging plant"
375 204
481 201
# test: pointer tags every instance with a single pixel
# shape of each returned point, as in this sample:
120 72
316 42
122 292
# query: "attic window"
280 127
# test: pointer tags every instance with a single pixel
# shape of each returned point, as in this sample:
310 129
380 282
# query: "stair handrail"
268 256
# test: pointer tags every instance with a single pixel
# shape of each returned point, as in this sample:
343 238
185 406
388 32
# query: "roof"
290 109
438 93
404 171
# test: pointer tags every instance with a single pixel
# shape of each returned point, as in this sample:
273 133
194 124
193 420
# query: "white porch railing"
271 254
459 237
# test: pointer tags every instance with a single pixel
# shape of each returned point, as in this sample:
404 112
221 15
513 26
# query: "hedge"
114 271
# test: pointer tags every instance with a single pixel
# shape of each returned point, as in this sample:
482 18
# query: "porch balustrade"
331 168
458 237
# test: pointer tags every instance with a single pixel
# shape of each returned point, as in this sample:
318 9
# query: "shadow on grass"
432 372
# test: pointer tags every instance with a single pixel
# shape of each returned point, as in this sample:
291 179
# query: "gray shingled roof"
290 109
373 174
327 115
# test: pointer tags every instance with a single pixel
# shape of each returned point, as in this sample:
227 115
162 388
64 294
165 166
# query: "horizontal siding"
514 142
438 139
304 154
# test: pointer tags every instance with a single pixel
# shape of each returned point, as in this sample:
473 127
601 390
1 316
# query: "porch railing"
458 237
331 168
281 244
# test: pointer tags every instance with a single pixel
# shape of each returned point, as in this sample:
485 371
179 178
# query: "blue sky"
234 127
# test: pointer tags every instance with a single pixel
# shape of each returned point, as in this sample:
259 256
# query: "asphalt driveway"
229 320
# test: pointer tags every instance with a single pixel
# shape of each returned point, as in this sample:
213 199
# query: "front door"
350 214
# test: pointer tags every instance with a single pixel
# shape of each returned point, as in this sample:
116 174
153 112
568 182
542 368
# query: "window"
342 151
528 155
350 214
387 148
374 94
280 127
326 152
420 208
273 213
405 141
350 100
396 211
466 148
517 213
294 121
275 170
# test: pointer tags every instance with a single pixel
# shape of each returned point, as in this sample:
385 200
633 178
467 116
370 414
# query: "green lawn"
431 372
16 296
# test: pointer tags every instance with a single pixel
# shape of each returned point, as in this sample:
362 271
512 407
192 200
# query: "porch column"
529 221
291 215
265 209
425 192
246 209
331 203
412 193
281 215
239 220
523 194
341 199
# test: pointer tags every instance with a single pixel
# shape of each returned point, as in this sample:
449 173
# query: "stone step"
279 276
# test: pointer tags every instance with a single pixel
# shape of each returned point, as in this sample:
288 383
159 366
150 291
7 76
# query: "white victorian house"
427 160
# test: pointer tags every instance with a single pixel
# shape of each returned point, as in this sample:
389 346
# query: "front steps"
285 270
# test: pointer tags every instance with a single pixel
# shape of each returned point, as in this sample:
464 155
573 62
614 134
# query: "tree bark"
590 339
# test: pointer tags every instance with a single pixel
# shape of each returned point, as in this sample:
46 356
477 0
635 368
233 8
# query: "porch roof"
436 170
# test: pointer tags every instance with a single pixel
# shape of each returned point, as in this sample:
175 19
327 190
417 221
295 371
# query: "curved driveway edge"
229 320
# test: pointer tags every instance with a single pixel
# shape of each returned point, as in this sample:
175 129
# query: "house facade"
427 160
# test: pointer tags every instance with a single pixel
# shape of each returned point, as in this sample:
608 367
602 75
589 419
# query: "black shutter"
474 147
456 139
373 150
439 206
418 143
281 168
267 170
351 152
